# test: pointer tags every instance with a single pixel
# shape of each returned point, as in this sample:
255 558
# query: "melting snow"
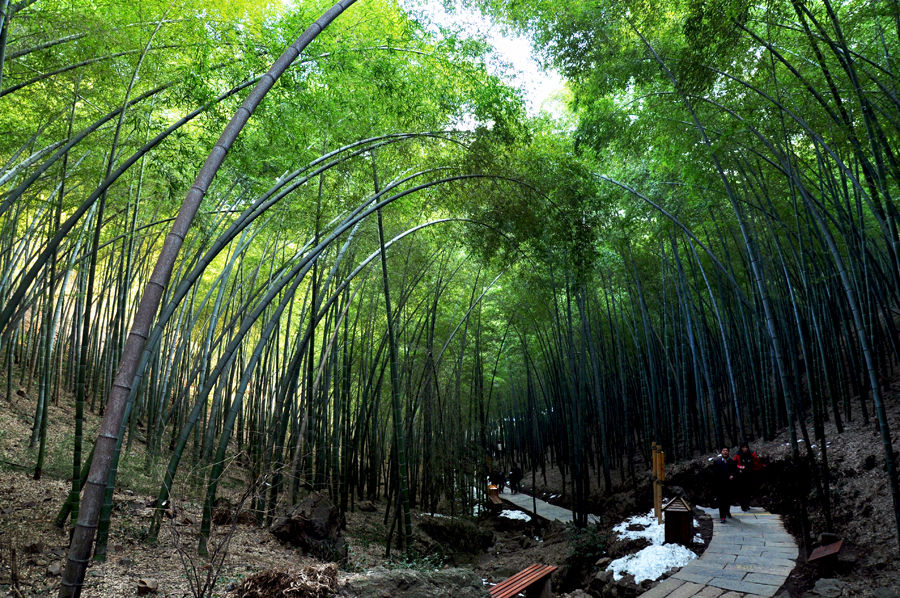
653 561
509 514
652 530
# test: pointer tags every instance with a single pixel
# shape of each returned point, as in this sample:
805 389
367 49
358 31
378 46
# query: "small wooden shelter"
679 522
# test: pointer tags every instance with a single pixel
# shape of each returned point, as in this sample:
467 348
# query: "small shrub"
416 561
586 544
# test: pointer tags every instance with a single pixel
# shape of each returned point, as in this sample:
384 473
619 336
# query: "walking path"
749 556
544 509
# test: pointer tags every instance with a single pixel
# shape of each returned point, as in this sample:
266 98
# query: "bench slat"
521 581
514 579
827 550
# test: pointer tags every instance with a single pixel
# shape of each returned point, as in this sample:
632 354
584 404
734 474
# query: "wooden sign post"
658 467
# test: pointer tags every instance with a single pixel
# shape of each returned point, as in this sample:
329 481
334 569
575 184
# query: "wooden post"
658 474
660 478
657 507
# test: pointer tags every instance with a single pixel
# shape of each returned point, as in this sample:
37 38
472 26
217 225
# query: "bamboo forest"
420 298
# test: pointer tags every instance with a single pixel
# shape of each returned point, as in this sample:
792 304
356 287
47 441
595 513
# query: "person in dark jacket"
724 470
747 464
498 479
515 478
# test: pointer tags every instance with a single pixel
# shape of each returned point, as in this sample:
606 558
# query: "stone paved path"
749 556
544 509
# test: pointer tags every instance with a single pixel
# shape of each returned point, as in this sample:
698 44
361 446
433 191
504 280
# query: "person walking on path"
515 478
747 464
498 479
724 470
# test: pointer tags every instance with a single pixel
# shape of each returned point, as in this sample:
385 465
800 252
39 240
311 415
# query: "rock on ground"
827 588
408 583
462 537
314 525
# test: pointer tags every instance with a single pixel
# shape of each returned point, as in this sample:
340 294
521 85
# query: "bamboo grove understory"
373 294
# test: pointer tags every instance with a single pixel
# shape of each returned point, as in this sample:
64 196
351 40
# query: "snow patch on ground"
510 514
653 561
651 531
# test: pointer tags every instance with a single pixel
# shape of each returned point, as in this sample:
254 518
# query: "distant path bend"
544 509
749 556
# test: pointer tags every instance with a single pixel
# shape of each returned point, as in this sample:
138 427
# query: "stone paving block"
723 573
785 571
722 558
727 534
766 578
732 595
770 545
777 527
780 552
780 546
688 590
710 592
745 587
686 575
757 543
719 557
663 589
777 534
719 549
720 543
720 554
700 565
773 562
739 541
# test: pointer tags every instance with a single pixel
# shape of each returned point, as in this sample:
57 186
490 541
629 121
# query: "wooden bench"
825 557
534 581
825 551
494 495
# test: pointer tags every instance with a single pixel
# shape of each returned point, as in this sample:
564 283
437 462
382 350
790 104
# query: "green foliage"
417 561
585 545
573 286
